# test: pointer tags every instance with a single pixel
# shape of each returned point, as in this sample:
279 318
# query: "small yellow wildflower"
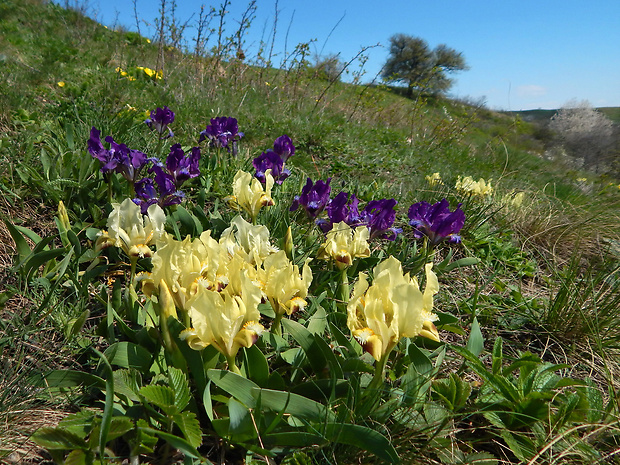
434 179
480 188
61 83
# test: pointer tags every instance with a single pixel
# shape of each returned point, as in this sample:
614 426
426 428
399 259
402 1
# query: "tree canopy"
413 62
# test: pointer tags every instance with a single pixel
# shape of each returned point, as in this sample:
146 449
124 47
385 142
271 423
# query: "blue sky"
523 54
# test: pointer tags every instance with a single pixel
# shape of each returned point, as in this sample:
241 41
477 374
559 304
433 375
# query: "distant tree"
413 62
584 132
329 67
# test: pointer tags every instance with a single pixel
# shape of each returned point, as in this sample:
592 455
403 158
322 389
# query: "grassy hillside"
519 366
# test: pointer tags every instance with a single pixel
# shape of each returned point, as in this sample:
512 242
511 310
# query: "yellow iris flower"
249 194
393 307
343 244
131 231
225 320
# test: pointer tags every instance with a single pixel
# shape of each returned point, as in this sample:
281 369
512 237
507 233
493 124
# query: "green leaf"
318 321
189 426
475 344
129 355
106 419
37 259
177 380
175 441
80 423
293 404
500 384
497 356
237 412
467 261
162 396
79 457
294 439
195 358
127 383
73 378
206 401
75 324
236 385
21 245
256 366
58 439
306 340
189 222
363 438
119 426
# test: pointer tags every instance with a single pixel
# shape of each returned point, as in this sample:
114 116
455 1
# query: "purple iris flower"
343 207
313 198
179 167
98 151
379 216
436 221
161 191
119 158
284 147
159 121
223 132
270 160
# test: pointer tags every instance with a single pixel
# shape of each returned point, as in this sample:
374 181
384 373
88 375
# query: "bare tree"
584 132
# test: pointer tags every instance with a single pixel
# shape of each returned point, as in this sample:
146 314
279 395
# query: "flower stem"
343 290
232 366
276 326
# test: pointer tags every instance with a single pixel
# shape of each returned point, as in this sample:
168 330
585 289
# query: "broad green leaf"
195 358
293 404
256 366
162 396
318 321
129 355
80 423
189 426
236 385
29 234
294 439
354 350
475 343
363 438
323 389
237 413
190 223
79 457
119 426
58 439
127 383
307 342
419 360
73 378
177 380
